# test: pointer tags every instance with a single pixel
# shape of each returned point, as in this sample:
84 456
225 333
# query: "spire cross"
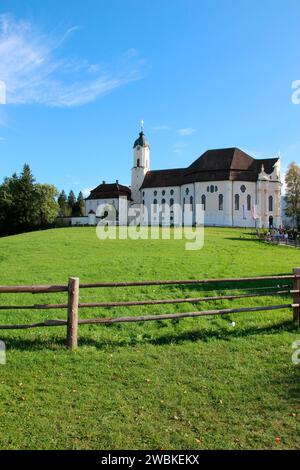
142 125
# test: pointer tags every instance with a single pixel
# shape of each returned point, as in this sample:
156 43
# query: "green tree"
63 204
80 204
292 196
46 207
71 202
22 189
6 203
26 205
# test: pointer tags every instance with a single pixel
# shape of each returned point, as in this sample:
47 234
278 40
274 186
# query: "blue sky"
203 74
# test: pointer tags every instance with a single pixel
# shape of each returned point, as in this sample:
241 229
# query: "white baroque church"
233 189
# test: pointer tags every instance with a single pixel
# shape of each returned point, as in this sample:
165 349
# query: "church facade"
233 189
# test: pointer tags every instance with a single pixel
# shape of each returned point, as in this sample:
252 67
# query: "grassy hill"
193 383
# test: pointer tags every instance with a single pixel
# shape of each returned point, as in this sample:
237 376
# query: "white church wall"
91 205
220 215
228 208
96 204
214 216
123 210
243 216
187 201
214 213
265 190
169 194
274 190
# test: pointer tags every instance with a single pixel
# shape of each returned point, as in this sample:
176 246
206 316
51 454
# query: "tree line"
26 205
70 206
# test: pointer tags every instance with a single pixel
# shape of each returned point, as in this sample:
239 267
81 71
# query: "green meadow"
196 383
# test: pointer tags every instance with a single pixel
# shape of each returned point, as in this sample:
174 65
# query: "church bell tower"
141 165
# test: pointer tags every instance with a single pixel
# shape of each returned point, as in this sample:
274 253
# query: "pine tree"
6 202
80 204
63 204
23 200
292 196
71 202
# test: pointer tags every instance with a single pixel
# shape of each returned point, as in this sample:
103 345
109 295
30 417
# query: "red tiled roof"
214 165
109 191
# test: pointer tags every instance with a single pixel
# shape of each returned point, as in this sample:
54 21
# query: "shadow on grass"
289 382
292 383
33 344
225 334
294 386
244 287
243 239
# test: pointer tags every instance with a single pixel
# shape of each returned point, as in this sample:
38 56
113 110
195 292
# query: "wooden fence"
73 305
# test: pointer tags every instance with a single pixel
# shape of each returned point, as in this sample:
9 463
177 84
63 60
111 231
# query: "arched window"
191 203
203 201
237 202
248 202
154 201
221 202
212 188
138 162
171 202
187 191
207 189
172 192
270 203
163 201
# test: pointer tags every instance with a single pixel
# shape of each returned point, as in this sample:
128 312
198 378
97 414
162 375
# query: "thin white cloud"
34 71
178 147
163 127
131 53
186 131
68 33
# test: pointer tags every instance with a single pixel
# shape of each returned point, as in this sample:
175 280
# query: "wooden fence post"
73 300
296 298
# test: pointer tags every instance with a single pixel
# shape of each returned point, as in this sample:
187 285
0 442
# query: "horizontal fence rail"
32 289
146 302
73 305
142 318
184 282
64 288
